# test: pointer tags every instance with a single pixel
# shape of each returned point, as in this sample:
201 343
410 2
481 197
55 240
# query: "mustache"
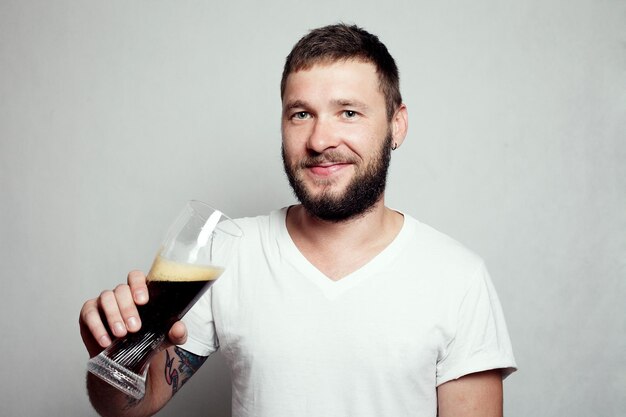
327 157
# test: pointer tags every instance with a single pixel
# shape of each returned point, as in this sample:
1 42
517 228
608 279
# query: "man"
338 306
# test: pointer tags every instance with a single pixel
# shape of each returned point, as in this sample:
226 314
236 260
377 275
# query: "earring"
394 146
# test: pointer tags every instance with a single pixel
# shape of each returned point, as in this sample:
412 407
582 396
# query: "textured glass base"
118 376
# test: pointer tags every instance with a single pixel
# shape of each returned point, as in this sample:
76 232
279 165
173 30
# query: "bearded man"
337 306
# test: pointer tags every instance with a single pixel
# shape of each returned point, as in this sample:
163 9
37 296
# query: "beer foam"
166 270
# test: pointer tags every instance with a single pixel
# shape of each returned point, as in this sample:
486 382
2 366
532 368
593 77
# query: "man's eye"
301 115
350 113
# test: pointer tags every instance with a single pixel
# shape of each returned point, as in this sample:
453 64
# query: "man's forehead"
340 74
336 70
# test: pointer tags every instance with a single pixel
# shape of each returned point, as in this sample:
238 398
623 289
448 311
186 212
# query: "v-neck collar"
329 287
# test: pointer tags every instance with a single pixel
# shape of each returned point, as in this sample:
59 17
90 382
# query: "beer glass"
189 261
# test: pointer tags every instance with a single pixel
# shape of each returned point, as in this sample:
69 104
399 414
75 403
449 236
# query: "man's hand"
114 313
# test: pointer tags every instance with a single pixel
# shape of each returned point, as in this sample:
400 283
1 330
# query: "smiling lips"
327 169
327 164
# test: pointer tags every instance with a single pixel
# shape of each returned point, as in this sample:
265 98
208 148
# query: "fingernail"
105 341
132 323
141 296
118 329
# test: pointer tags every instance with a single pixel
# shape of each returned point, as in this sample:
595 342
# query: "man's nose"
322 136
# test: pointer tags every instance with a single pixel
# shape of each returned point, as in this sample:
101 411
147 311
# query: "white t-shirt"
375 343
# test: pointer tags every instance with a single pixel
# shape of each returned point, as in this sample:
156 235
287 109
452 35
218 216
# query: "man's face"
336 138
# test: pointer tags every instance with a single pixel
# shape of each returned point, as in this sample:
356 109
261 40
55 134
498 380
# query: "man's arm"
168 372
473 395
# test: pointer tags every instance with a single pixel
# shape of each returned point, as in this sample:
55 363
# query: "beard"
360 195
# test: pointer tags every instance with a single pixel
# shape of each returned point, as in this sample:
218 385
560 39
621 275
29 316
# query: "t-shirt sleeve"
201 336
481 341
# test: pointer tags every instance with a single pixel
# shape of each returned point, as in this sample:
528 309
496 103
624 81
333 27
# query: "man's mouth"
326 160
326 169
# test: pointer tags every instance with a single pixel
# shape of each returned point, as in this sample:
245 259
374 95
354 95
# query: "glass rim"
193 203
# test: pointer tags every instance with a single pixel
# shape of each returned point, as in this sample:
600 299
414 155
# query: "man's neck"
339 248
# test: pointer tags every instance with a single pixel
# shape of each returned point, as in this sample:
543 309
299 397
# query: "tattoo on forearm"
188 364
171 375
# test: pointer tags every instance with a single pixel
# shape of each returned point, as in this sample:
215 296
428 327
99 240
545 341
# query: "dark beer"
173 288
169 301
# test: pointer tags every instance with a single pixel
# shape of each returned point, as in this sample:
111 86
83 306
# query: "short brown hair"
343 42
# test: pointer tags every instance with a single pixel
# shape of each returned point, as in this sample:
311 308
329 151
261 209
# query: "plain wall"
113 113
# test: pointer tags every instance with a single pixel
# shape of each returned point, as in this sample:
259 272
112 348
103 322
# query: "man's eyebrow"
340 102
294 104
350 103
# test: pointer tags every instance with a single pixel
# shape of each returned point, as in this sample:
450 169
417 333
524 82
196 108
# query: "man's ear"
399 125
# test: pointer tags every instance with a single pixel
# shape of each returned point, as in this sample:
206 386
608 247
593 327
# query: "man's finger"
178 333
90 322
138 287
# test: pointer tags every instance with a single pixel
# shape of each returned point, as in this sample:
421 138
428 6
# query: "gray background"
113 113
